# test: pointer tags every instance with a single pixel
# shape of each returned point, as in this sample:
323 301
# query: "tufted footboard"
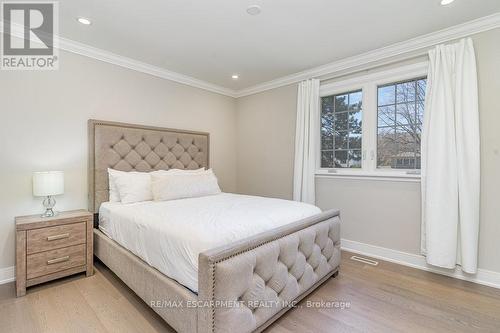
247 285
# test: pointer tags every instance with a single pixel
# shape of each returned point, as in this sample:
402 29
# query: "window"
400 112
371 124
341 130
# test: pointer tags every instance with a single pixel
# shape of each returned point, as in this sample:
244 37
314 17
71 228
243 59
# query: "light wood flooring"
386 298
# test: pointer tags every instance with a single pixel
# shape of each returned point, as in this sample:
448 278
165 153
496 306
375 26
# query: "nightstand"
49 248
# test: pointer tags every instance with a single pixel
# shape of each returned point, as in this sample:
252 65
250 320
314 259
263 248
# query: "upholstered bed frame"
242 287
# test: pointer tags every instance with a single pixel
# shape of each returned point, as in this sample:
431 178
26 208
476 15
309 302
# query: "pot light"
235 77
446 2
84 21
254 10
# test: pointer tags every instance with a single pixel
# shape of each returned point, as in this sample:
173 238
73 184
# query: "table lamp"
47 184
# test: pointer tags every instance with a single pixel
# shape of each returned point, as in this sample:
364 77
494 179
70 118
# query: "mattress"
169 235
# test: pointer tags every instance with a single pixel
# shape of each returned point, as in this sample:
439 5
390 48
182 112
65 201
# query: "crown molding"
392 53
115 59
122 61
389 54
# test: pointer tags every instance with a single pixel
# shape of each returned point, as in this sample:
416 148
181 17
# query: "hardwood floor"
386 298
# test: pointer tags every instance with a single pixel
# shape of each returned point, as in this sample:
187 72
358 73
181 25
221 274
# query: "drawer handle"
56 237
58 260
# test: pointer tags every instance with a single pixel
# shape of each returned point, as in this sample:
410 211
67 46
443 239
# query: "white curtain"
450 159
306 141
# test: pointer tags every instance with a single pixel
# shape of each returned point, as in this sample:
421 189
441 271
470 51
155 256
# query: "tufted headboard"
128 147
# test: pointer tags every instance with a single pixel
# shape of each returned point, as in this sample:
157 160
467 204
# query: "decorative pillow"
171 186
133 186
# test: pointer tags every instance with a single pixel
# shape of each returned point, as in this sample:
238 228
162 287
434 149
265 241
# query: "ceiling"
212 39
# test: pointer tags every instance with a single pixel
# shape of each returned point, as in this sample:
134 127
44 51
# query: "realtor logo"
29 38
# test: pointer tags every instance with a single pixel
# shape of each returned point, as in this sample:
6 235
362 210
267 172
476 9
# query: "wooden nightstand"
53 247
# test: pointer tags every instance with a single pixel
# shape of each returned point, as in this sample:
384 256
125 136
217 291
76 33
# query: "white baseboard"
483 276
7 274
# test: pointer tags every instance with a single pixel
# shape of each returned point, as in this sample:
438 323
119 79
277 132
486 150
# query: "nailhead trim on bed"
331 260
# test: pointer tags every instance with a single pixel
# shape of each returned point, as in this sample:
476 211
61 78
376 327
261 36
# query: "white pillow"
132 186
171 186
179 171
114 196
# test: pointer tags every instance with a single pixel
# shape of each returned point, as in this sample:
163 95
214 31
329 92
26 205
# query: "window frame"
368 84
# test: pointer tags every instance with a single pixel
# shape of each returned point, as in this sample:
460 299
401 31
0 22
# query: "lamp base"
49 202
49 213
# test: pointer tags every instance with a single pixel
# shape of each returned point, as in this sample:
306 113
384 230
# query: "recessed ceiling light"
254 10
84 20
235 77
446 2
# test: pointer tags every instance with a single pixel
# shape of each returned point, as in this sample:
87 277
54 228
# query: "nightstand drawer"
54 261
52 238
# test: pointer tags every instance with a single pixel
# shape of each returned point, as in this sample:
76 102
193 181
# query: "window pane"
421 85
341 130
417 156
341 103
341 159
327 122
326 142
355 100
341 121
406 143
386 95
400 124
354 158
341 140
354 141
406 137
327 159
405 114
420 112
327 104
386 115
405 92
386 146
326 127
355 122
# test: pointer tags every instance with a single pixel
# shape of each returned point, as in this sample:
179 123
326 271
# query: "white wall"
266 134
44 127
488 63
381 213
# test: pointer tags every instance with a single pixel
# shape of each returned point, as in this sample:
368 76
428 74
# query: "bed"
225 263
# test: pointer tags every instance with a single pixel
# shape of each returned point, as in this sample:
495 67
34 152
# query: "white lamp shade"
48 183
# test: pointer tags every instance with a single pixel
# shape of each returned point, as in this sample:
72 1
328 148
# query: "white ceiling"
212 39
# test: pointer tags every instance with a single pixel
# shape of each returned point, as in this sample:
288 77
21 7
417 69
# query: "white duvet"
169 235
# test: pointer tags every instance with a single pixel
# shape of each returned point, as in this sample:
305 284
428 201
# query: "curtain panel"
306 141
451 159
